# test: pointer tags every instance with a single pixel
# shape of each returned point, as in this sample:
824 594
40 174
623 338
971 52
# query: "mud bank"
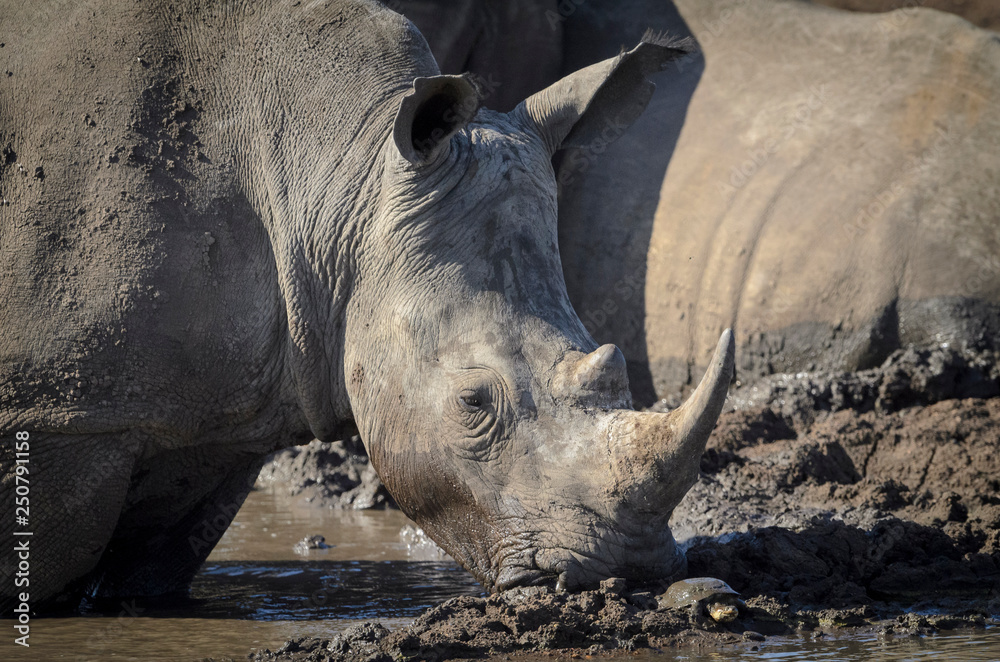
331 475
916 439
605 621
865 501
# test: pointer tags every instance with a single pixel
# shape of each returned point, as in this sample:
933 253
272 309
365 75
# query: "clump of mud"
528 619
606 620
331 475
907 378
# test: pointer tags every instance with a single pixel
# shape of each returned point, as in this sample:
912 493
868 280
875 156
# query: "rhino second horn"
602 369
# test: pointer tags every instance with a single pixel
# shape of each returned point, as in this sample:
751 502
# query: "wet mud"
864 501
327 474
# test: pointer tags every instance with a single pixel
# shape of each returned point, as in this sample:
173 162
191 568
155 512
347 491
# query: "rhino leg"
178 507
76 488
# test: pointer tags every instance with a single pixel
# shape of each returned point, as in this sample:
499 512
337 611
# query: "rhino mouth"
565 570
515 577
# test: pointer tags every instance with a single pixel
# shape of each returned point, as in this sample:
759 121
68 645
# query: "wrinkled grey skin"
257 224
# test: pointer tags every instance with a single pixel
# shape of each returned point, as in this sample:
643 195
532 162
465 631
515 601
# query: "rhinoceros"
984 13
227 228
831 192
825 182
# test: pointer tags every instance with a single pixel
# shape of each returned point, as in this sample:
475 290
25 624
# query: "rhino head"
495 420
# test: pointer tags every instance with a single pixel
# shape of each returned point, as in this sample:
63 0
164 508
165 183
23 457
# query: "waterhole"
256 591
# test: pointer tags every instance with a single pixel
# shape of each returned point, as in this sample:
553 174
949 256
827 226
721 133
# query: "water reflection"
976 646
269 524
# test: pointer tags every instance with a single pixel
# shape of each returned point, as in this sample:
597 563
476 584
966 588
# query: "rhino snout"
615 519
605 553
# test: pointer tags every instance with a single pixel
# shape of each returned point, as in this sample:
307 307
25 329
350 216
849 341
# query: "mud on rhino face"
493 417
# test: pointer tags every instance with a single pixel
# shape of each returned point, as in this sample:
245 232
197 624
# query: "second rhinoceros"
229 229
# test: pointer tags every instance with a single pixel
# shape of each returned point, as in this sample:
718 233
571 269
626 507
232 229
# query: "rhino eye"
477 404
470 400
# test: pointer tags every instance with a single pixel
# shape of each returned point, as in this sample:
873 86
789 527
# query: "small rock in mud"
310 542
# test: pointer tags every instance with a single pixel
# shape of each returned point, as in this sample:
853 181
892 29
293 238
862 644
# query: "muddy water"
981 646
255 591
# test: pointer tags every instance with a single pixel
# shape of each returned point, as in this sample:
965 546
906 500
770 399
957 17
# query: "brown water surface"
256 591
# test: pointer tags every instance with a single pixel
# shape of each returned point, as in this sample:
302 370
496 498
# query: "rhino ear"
599 102
436 109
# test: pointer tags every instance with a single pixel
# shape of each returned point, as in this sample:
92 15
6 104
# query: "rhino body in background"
825 182
228 228
832 193
984 13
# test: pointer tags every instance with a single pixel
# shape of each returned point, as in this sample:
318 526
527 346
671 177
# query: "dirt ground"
866 501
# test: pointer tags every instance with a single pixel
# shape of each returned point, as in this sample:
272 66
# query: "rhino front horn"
694 420
655 457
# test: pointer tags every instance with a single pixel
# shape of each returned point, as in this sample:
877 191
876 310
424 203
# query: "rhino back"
838 198
831 194
163 166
